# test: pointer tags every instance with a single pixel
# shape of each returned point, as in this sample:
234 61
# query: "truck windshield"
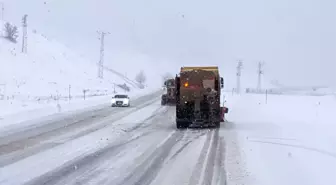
120 96
170 83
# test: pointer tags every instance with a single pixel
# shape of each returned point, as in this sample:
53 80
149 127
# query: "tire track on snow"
210 162
146 172
92 160
31 144
204 170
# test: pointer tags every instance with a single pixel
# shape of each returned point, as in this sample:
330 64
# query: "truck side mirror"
165 83
226 110
222 82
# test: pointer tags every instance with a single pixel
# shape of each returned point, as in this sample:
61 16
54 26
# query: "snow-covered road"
20 143
260 144
155 153
138 145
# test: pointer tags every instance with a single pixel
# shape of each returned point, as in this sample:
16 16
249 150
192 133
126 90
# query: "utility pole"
24 34
239 67
2 10
260 72
101 60
69 93
2 14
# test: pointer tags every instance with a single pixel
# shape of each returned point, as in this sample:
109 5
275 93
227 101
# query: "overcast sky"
295 38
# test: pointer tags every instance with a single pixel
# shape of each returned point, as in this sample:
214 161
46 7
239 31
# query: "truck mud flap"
204 123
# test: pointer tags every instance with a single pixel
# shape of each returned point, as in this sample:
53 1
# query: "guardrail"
127 80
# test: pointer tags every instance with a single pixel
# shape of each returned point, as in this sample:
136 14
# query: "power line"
101 59
239 68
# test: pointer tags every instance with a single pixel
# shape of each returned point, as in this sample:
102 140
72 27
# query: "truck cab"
169 96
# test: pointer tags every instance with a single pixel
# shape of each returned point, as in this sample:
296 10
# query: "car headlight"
113 101
126 101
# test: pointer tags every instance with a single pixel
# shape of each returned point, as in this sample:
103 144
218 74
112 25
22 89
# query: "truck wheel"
182 124
163 99
217 124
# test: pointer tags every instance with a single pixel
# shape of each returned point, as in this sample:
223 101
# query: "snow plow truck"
170 96
198 93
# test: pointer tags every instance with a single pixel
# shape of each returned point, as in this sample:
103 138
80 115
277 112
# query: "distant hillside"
49 68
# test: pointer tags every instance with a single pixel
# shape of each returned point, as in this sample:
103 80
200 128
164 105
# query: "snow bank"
284 140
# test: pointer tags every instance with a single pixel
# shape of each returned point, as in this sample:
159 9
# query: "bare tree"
11 32
141 77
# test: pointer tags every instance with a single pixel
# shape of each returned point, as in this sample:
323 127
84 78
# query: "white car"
120 100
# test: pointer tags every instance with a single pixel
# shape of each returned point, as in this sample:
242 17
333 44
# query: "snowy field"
288 140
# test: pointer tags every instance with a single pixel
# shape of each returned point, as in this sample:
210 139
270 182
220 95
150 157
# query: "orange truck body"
198 96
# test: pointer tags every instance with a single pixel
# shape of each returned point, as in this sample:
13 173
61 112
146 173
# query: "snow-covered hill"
48 73
48 69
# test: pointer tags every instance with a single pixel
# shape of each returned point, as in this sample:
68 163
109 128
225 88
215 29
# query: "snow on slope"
45 73
48 69
290 140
